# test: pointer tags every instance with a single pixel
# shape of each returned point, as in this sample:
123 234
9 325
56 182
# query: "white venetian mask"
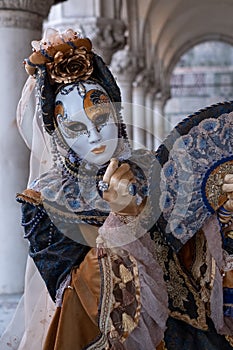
87 122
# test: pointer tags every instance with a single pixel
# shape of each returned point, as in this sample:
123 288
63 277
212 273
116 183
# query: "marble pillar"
20 22
139 113
124 66
149 119
159 119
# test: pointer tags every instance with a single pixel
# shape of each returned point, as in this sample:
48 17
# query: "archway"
203 76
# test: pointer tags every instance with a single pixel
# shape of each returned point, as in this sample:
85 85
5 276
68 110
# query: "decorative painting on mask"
88 124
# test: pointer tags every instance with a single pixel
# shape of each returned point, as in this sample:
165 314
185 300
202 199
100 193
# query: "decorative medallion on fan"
194 159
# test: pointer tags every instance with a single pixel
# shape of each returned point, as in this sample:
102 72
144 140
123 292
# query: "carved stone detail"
145 78
161 98
110 37
18 19
125 64
40 7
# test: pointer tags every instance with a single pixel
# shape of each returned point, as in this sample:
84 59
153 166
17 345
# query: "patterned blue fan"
194 159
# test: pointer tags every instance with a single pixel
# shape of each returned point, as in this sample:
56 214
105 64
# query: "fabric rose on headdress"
66 55
70 65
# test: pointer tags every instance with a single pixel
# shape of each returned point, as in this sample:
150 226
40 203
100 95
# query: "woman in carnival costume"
133 257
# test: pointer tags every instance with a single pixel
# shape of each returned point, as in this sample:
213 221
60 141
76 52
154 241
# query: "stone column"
20 22
149 119
124 66
139 112
159 119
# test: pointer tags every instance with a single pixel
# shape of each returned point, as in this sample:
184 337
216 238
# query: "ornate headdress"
63 58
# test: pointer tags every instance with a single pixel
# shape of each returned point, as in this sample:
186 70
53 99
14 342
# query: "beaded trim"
106 305
34 222
69 217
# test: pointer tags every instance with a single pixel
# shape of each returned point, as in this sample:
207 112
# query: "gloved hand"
120 192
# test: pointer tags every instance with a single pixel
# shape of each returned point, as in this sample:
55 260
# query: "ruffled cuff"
119 230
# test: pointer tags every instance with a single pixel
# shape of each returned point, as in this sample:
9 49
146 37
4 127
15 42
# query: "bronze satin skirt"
75 324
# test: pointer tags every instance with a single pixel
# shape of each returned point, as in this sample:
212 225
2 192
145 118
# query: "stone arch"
190 44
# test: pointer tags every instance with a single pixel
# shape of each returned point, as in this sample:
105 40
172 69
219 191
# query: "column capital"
141 79
40 8
16 13
109 36
125 64
161 97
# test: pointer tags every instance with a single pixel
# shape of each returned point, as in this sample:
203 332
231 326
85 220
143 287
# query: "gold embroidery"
200 322
229 339
106 305
178 285
128 274
137 288
202 257
176 290
230 234
125 274
128 323
213 187
213 273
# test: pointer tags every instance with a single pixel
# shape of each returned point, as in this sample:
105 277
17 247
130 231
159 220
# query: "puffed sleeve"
53 253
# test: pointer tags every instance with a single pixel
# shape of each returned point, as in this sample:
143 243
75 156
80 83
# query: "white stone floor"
8 305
